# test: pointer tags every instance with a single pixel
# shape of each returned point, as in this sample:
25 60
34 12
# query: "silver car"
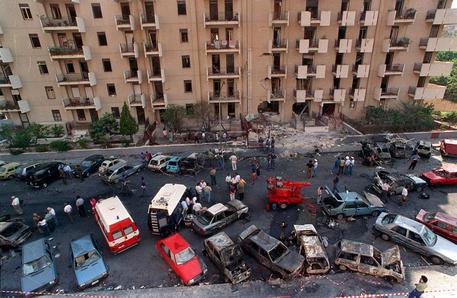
121 171
417 237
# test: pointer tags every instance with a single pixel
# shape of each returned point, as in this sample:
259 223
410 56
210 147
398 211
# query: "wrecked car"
312 248
13 233
398 149
396 181
228 257
191 164
367 259
424 149
218 216
271 252
383 152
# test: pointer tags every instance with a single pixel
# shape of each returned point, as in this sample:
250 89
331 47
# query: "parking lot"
142 266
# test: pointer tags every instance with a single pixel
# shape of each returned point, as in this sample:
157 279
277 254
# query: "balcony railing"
277 94
64 51
4 80
232 19
223 45
6 105
395 68
149 21
127 48
79 103
48 22
279 44
136 100
228 72
277 18
122 20
224 97
74 77
397 17
400 42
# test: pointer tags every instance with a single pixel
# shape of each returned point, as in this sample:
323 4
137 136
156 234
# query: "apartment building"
70 61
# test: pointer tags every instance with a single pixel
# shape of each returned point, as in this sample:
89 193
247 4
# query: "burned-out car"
218 216
312 248
13 233
192 164
365 258
398 149
271 252
383 152
396 181
228 257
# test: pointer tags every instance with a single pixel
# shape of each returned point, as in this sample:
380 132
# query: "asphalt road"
142 266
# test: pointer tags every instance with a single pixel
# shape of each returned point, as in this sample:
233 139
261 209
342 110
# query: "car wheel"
436 260
375 213
342 267
339 216
385 237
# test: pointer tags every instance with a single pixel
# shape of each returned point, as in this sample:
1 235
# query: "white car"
109 163
158 162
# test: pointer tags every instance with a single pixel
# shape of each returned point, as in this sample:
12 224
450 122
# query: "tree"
173 117
127 124
204 114
451 80
101 129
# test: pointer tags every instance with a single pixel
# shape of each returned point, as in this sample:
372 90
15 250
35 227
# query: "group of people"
344 166
203 191
311 168
235 186
48 223
267 144
146 157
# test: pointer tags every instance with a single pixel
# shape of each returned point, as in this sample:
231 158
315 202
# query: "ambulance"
116 224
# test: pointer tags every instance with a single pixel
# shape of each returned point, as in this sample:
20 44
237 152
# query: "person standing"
336 180
419 288
43 226
184 206
351 167
234 160
17 205
232 191
272 145
68 211
336 166
36 219
207 193
143 186
404 196
315 165
80 206
309 168
199 190
347 166
341 168
241 185
49 221
270 161
52 212
414 158
253 172
257 168
228 179
212 175
385 191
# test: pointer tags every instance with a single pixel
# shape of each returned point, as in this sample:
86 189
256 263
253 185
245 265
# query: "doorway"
158 88
328 109
125 10
230 63
93 115
301 108
133 65
277 61
213 10
216 63
149 11
140 115
71 12
78 40
217 88
277 9
228 9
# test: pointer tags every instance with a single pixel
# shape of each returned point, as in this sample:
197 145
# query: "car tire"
436 260
342 267
375 213
385 237
339 216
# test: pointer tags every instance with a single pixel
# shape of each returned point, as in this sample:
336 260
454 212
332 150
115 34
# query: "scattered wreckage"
396 181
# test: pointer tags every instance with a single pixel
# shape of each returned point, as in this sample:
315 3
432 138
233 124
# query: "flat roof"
217 208
110 211
168 197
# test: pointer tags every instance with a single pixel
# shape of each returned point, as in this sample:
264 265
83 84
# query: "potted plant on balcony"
410 13
403 41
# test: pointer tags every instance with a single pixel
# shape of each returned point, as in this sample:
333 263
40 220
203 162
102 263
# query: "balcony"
343 45
82 103
438 44
341 71
310 71
224 98
76 79
369 17
149 22
442 16
137 100
277 46
132 76
276 71
6 56
388 93
365 45
159 102
276 95
304 95
11 81
213 73
435 69
64 52
278 18
64 24
390 70
347 18
361 70
124 23
397 18
306 46
8 106
156 75
152 49
431 92
228 20
129 49
400 44
358 94
307 18
338 95
222 46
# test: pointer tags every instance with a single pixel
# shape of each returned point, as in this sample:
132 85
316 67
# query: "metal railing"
122 20
65 50
78 102
148 19
214 71
395 68
279 43
224 96
225 18
73 77
62 22
127 48
222 45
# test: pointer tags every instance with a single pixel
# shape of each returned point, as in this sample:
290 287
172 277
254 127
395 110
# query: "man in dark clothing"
414 158
309 168
336 180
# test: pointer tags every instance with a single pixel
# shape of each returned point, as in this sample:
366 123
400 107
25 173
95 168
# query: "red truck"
448 147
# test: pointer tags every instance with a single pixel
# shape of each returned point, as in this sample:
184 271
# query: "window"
42 67
415 237
81 115
182 7
116 234
111 89
184 35
185 61
55 11
187 86
56 115
128 230
97 11
70 67
189 109
25 11
50 92
35 41
399 230
440 224
107 65
368 261
115 112
102 39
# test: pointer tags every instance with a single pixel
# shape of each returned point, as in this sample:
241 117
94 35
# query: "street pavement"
142 267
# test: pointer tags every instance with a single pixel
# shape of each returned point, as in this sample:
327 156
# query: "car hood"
391 256
446 248
190 269
32 282
420 215
91 272
432 176
19 233
416 179
291 261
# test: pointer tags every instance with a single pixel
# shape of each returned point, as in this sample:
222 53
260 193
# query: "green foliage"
6 131
60 145
83 143
57 131
127 124
450 117
173 117
204 114
37 131
451 80
42 148
101 129
446 56
21 139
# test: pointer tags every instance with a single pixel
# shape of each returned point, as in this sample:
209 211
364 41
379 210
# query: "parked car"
108 163
423 149
448 148
9 170
367 259
182 259
417 237
446 175
191 164
345 204
90 165
397 182
23 171
397 149
87 262
173 165
312 248
39 273
44 174
121 171
271 252
441 223
218 216
158 163
13 233
383 152
228 257
2 163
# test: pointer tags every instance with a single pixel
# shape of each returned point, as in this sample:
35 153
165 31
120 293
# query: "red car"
445 175
440 223
182 259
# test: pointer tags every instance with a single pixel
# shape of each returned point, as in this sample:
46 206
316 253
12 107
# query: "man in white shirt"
404 196
16 204
52 212
197 208
68 210
199 189
234 160
385 190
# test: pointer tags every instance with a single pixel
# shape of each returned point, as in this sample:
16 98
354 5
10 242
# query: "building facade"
70 61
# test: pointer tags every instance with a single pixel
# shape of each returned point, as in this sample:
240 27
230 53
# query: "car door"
398 234
440 227
417 243
349 208
368 265
362 208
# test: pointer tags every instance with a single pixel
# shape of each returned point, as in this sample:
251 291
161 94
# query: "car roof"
264 240
446 218
82 245
217 208
350 196
33 250
175 158
356 247
110 211
408 224
176 243
450 141
220 240
160 156
168 197
11 164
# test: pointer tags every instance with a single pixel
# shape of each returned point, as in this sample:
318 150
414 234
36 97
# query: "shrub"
83 143
42 148
60 145
22 139
57 131
451 117
16 151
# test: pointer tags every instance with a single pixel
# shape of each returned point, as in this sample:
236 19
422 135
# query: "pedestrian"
36 219
212 175
315 165
124 186
273 160
253 172
143 186
347 165
184 207
142 157
93 203
207 193
320 190
67 171
336 180
228 179
351 167
270 161
257 168
52 212
272 145
234 160
241 185
217 137
68 210
309 168
336 166
189 202
341 167
17 205
80 206
404 196
232 191
419 288
196 208
49 221
414 158
224 137
385 191
43 226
